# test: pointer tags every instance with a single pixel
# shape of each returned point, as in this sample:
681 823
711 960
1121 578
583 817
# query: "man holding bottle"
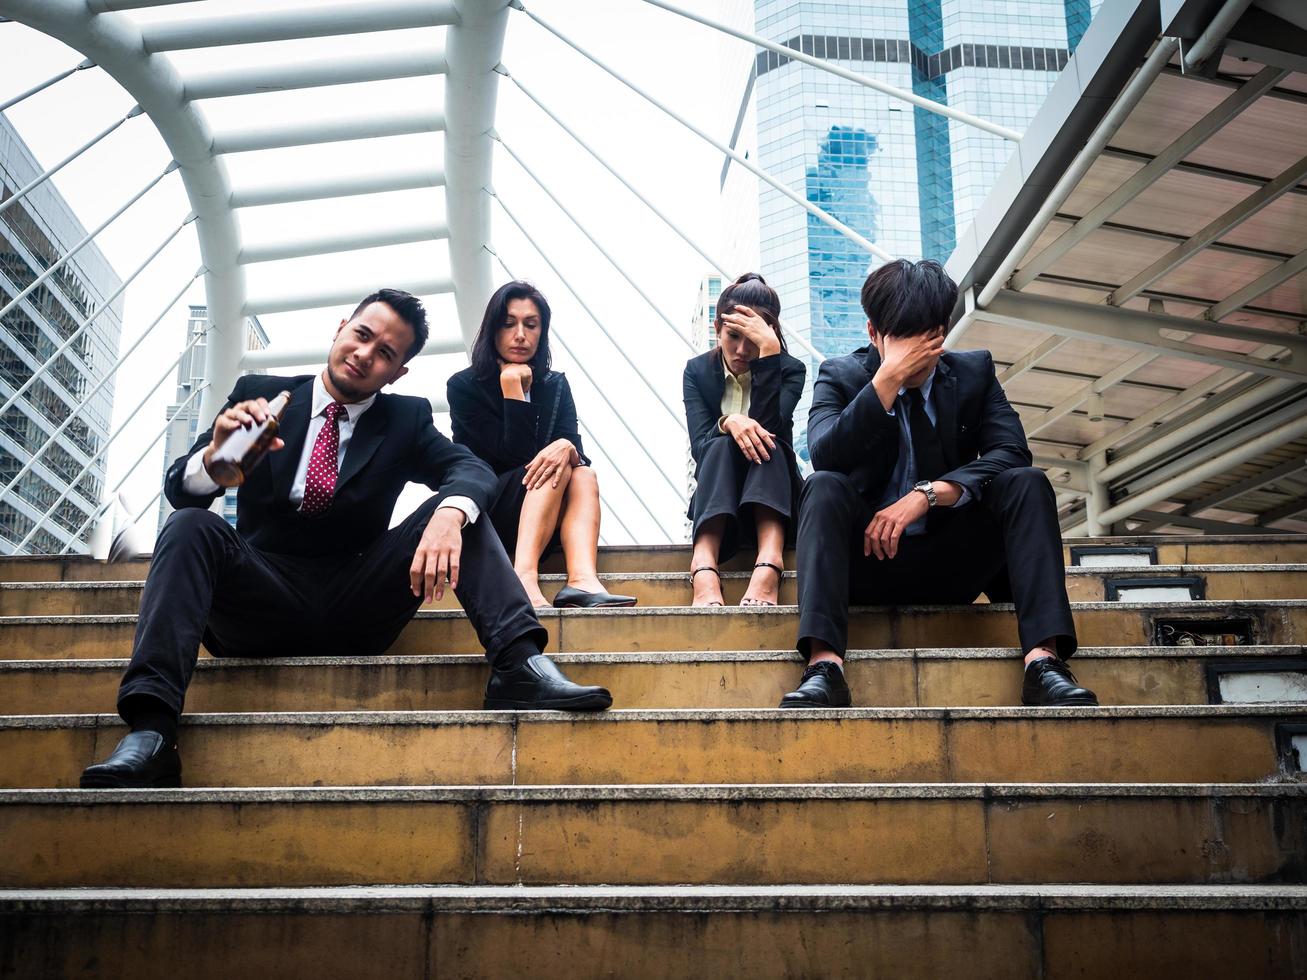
312 567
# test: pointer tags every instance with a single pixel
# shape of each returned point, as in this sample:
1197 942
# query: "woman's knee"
584 480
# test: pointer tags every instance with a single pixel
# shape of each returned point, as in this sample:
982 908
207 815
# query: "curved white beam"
348 241
114 43
345 295
473 49
371 126
283 357
324 188
315 73
288 24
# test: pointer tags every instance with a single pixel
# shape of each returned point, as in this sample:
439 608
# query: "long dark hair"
485 358
751 290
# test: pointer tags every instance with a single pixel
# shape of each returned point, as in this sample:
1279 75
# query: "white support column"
337 295
282 24
351 240
114 42
325 188
343 70
374 125
1098 499
473 47
1217 29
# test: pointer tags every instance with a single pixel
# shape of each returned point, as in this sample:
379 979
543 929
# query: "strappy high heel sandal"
706 568
780 574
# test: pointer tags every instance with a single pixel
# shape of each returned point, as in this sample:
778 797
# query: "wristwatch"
926 487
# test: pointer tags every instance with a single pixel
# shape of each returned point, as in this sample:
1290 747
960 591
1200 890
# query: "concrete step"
717 834
1164 549
1272 621
941 677
1000 931
1214 582
1180 743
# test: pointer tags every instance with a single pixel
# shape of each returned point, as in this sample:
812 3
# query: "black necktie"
925 440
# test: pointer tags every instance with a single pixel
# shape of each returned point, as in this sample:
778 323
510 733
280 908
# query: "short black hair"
906 299
751 290
485 356
408 308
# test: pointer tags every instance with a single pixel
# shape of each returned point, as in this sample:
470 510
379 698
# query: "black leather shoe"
823 686
140 760
570 598
538 685
1049 682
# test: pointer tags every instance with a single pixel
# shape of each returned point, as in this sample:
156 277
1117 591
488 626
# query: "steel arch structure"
136 56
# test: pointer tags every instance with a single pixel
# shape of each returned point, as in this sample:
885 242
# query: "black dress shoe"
1049 682
823 686
538 685
570 598
140 760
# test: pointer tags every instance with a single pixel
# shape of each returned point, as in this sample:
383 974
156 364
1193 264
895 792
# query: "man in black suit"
311 568
924 493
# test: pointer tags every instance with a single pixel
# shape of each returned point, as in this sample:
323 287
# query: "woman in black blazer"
518 416
739 408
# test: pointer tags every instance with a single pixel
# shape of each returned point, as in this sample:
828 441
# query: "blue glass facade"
903 177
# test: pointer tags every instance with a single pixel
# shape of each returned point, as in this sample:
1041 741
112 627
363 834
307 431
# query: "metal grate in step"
1177 631
1259 681
1171 588
1113 556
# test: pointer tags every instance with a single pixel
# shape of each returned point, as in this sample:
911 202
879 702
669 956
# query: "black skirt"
730 484
506 512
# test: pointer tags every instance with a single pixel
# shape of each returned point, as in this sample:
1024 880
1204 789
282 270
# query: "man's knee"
827 487
1025 479
192 522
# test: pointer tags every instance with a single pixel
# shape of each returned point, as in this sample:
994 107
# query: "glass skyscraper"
34 234
903 177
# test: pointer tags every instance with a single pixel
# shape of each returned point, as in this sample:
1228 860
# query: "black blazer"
505 432
850 432
393 443
774 391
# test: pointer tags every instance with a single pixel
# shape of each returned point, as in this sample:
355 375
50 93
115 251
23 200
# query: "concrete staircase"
361 817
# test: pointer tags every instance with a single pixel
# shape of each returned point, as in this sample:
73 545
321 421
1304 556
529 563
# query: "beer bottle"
242 450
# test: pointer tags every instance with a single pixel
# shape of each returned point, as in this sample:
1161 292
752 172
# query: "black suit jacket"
394 442
775 388
505 432
850 432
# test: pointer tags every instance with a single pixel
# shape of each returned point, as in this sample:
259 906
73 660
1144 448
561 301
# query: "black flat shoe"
140 760
538 685
570 598
1050 683
822 686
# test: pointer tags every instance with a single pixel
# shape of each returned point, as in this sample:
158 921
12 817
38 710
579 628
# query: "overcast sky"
671 57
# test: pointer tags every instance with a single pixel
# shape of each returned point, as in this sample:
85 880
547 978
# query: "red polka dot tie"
320 480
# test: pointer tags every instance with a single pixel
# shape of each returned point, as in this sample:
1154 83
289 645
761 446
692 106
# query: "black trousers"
1008 545
729 484
207 583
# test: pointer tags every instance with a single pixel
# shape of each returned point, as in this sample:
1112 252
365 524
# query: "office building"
69 471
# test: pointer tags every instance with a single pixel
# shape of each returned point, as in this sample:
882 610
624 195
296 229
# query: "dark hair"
751 290
905 299
408 308
485 356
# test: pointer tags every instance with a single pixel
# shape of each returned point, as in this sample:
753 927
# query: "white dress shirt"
197 481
